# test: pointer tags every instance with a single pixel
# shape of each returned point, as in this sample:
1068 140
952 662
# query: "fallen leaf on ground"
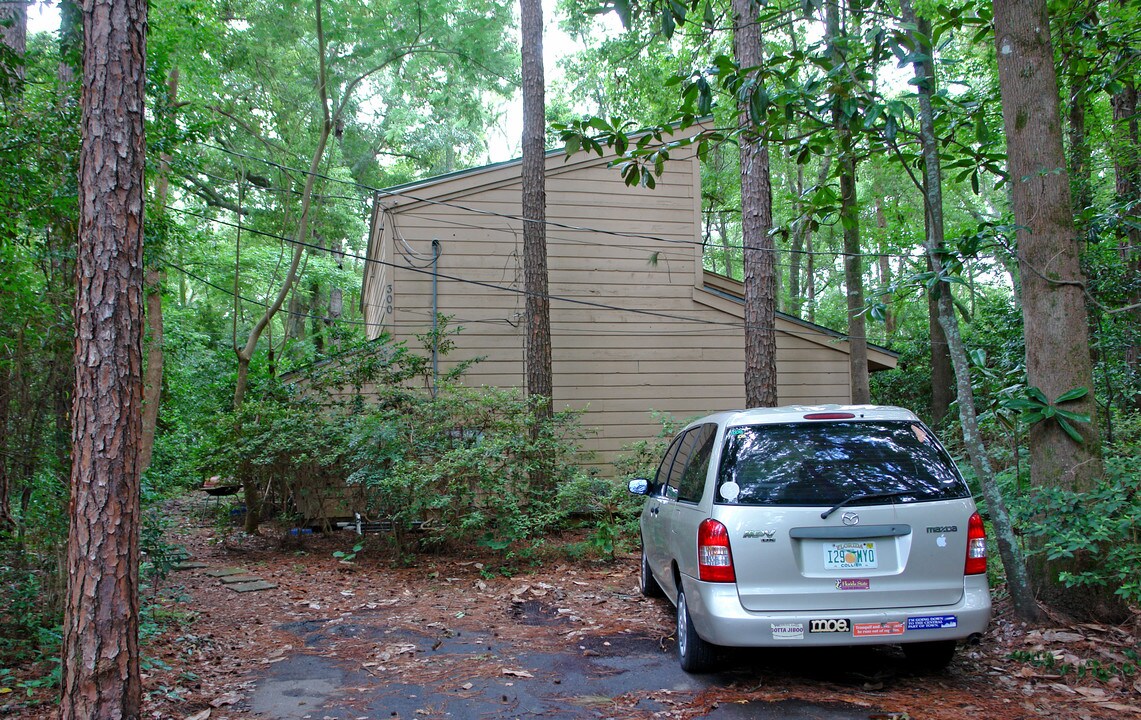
1121 708
227 699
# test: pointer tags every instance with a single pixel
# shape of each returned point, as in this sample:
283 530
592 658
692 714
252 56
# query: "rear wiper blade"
865 496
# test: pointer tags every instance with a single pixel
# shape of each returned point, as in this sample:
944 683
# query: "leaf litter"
370 619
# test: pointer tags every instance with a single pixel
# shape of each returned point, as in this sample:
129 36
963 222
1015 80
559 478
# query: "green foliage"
349 556
1092 669
460 465
1034 406
441 462
611 502
1101 529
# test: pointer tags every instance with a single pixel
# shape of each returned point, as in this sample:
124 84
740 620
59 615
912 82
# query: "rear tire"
932 656
646 581
694 654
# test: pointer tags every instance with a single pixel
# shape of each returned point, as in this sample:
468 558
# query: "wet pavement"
476 675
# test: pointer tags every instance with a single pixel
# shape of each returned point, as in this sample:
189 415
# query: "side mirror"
640 486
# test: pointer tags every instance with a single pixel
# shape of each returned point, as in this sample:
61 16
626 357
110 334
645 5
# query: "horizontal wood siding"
628 336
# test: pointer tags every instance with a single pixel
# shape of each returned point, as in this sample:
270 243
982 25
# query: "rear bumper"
719 618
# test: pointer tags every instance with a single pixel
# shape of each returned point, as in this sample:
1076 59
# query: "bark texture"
14 37
759 251
540 382
100 632
1053 298
942 373
1018 580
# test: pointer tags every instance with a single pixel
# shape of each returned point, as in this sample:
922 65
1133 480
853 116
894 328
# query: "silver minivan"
814 526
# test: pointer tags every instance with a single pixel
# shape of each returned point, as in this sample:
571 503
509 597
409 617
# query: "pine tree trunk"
759 251
100 671
540 382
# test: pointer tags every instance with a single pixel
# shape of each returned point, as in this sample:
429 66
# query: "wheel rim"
645 569
681 624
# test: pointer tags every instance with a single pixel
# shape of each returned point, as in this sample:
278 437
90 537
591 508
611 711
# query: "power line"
521 219
260 303
494 286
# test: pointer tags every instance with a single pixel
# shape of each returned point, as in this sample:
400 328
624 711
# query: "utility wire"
497 287
519 218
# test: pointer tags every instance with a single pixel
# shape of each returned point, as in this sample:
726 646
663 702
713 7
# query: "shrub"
1102 529
465 464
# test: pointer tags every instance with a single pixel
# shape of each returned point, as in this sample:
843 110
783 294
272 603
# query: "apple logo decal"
941 541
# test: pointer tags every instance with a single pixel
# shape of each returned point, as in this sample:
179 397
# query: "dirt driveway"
450 638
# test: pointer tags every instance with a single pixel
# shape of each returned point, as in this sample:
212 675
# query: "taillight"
714 559
976 546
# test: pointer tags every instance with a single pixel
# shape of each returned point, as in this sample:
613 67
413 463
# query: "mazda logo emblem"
850 518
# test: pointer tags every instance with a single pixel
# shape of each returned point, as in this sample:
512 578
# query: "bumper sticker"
878 629
932 622
853 584
829 625
787 631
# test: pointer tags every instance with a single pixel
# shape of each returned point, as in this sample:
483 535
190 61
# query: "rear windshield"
826 463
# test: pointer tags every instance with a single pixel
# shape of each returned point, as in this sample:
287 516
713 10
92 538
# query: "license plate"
850 556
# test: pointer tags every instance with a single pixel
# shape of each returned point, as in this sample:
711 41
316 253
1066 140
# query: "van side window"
664 469
685 450
692 483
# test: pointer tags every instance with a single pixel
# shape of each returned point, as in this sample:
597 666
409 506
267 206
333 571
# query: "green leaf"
1069 430
668 24
704 97
891 128
1074 394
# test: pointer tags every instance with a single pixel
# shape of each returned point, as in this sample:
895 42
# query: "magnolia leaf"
1036 394
1069 429
1075 417
1074 394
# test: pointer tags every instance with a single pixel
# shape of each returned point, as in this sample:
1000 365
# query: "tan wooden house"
637 325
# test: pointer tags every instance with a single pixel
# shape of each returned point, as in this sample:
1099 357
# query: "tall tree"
153 278
843 119
1053 286
758 248
13 41
942 371
540 382
1018 582
1126 150
100 632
